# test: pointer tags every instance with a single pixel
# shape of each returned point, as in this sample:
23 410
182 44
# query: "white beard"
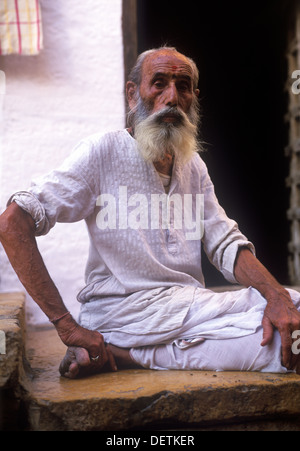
156 137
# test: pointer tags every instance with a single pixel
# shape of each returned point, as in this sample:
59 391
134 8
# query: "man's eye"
183 86
159 84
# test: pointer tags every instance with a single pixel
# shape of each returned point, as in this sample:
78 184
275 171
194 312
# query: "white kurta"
144 274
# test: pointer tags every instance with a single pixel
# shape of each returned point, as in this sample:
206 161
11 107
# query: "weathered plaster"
74 88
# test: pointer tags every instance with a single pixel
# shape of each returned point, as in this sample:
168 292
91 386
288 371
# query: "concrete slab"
140 399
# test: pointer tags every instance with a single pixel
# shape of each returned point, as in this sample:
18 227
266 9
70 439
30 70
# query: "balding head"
136 73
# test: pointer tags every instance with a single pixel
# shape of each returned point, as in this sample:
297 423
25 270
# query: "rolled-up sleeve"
222 238
67 194
33 206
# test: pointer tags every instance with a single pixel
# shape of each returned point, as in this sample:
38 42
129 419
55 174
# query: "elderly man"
149 204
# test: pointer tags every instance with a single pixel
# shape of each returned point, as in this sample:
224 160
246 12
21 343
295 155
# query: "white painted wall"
74 88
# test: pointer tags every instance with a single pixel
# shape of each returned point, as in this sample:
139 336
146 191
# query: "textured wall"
74 88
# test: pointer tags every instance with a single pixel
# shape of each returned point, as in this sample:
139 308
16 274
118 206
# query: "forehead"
167 63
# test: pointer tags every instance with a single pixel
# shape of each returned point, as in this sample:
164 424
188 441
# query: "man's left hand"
281 314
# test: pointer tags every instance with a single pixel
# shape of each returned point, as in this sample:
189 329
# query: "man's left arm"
280 312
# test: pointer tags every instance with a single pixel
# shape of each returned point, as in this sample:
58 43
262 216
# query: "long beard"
155 137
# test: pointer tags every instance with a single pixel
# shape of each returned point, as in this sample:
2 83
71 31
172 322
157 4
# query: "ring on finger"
95 359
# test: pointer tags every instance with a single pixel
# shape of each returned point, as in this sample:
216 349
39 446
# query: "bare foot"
77 362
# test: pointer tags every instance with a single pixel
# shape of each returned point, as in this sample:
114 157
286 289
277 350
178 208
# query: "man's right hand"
75 336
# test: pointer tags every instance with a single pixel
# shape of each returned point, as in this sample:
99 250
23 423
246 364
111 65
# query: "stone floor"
34 397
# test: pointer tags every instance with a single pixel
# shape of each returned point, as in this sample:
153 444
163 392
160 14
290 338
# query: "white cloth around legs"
232 354
241 353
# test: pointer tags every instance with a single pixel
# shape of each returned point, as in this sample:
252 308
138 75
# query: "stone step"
12 351
139 399
38 399
12 327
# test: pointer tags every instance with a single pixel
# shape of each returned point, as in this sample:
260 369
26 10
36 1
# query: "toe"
72 372
82 356
74 359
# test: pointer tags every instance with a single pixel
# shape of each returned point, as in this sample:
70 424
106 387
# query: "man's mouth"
170 117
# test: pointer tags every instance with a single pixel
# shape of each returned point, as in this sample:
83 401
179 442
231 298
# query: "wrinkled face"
166 82
164 108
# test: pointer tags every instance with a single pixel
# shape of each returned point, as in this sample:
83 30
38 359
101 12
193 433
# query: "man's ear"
131 89
197 92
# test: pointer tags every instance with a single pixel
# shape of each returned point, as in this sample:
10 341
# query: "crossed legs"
235 354
232 354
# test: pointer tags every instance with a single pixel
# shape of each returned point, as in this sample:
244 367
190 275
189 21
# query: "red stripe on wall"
18 25
38 25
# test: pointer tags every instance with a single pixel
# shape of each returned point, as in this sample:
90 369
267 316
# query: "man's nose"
171 95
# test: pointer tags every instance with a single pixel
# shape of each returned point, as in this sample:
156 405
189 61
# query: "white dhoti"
231 354
191 329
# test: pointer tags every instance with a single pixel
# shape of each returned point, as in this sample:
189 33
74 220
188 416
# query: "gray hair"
136 73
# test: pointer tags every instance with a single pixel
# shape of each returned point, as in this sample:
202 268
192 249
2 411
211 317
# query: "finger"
286 344
103 357
111 360
295 360
293 363
106 358
268 331
289 343
96 348
99 357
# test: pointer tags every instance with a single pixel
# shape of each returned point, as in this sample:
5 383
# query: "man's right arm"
17 235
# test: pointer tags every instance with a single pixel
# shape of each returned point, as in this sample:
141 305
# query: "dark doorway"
239 48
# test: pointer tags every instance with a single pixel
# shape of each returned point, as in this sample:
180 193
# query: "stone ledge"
141 399
137 399
12 323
